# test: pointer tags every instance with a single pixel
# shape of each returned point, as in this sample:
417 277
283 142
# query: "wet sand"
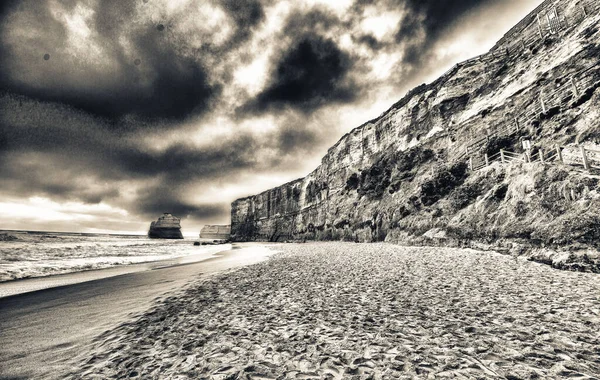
11 288
41 331
364 311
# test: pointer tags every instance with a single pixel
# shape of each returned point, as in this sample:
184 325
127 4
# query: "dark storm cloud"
180 162
296 139
7 6
161 78
52 177
317 20
152 201
312 73
370 41
246 14
57 129
432 18
64 154
439 14
57 151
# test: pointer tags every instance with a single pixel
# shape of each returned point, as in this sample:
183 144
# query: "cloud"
370 41
246 14
67 155
437 15
157 200
312 73
181 161
114 58
425 22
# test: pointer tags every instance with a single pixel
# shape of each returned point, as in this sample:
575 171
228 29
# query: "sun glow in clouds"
46 210
254 75
380 24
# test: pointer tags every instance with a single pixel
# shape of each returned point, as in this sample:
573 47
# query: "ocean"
38 254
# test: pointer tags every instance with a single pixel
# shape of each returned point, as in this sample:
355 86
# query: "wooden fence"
548 19
568 88
578 156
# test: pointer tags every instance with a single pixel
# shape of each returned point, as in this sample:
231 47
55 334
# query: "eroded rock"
166 227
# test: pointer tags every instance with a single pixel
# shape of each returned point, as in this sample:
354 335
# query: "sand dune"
360 311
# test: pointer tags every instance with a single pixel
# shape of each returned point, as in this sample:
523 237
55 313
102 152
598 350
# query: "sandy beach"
364 311
42 331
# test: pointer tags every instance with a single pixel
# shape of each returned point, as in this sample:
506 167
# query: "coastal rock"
166 227
218 232
410 170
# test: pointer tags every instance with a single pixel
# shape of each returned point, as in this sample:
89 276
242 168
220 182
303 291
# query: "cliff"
215 232
416 174
166 227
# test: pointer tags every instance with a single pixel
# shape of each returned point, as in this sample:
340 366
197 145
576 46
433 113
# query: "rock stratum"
405 176
219 232
166 227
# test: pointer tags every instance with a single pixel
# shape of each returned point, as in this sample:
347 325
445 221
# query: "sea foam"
36 254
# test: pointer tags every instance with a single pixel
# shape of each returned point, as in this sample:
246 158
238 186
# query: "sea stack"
221 232
166 227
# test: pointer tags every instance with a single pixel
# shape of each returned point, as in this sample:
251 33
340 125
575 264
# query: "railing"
533 30
573 87
595 163
586 157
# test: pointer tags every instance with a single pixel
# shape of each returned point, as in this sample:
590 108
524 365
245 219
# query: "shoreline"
347 310
32 284
42 331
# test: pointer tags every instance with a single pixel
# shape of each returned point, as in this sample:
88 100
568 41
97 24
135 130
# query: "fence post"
542 101
559 154
584 11
541 153
526 157
586 163
502 156
575 90
540 26
471 163
517 126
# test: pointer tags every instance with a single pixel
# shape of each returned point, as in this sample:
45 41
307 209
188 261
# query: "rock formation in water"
166 227
446 164
217 232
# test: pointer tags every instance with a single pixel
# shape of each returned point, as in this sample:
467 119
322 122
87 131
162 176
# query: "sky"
115 111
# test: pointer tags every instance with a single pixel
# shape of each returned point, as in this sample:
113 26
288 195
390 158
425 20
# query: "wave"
41 255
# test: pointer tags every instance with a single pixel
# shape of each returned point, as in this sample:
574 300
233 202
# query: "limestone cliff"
166 227
405 176
215 232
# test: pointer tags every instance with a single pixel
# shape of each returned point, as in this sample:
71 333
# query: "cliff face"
215 232
404 176
166 227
